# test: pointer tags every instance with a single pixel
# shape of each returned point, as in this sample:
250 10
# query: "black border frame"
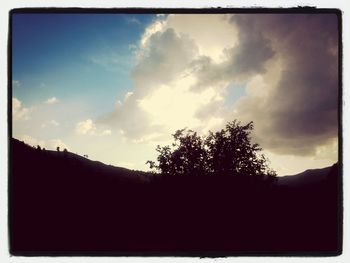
214 10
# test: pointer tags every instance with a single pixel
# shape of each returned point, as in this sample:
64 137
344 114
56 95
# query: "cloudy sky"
113 86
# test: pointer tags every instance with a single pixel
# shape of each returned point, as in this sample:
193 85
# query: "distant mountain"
308 177
61 203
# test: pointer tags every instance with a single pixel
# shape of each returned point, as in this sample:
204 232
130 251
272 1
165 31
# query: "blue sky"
71 56
114 86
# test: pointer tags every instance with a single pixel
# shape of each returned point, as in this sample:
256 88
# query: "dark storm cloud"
254 48
245 59
300 112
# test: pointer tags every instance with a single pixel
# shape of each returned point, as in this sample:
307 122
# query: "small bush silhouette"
226 152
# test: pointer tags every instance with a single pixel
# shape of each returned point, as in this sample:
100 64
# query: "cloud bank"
298 112
188 64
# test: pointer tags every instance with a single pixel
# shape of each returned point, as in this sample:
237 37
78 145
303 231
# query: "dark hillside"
308 177
64 204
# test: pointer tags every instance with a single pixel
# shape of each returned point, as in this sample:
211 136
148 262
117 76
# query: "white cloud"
175 106
52 100
18 111
50 123
157 26
86 127
212 33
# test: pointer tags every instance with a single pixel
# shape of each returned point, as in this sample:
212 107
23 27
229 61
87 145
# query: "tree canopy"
225 152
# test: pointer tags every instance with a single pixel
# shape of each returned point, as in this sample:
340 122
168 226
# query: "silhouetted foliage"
226 152
38 147
66 205
65 150
58 148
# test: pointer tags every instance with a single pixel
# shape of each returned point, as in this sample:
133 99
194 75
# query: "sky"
114 86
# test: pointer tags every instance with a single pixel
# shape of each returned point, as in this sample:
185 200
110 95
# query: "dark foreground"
63 204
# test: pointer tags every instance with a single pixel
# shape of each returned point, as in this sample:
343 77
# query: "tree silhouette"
226 152
187 158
